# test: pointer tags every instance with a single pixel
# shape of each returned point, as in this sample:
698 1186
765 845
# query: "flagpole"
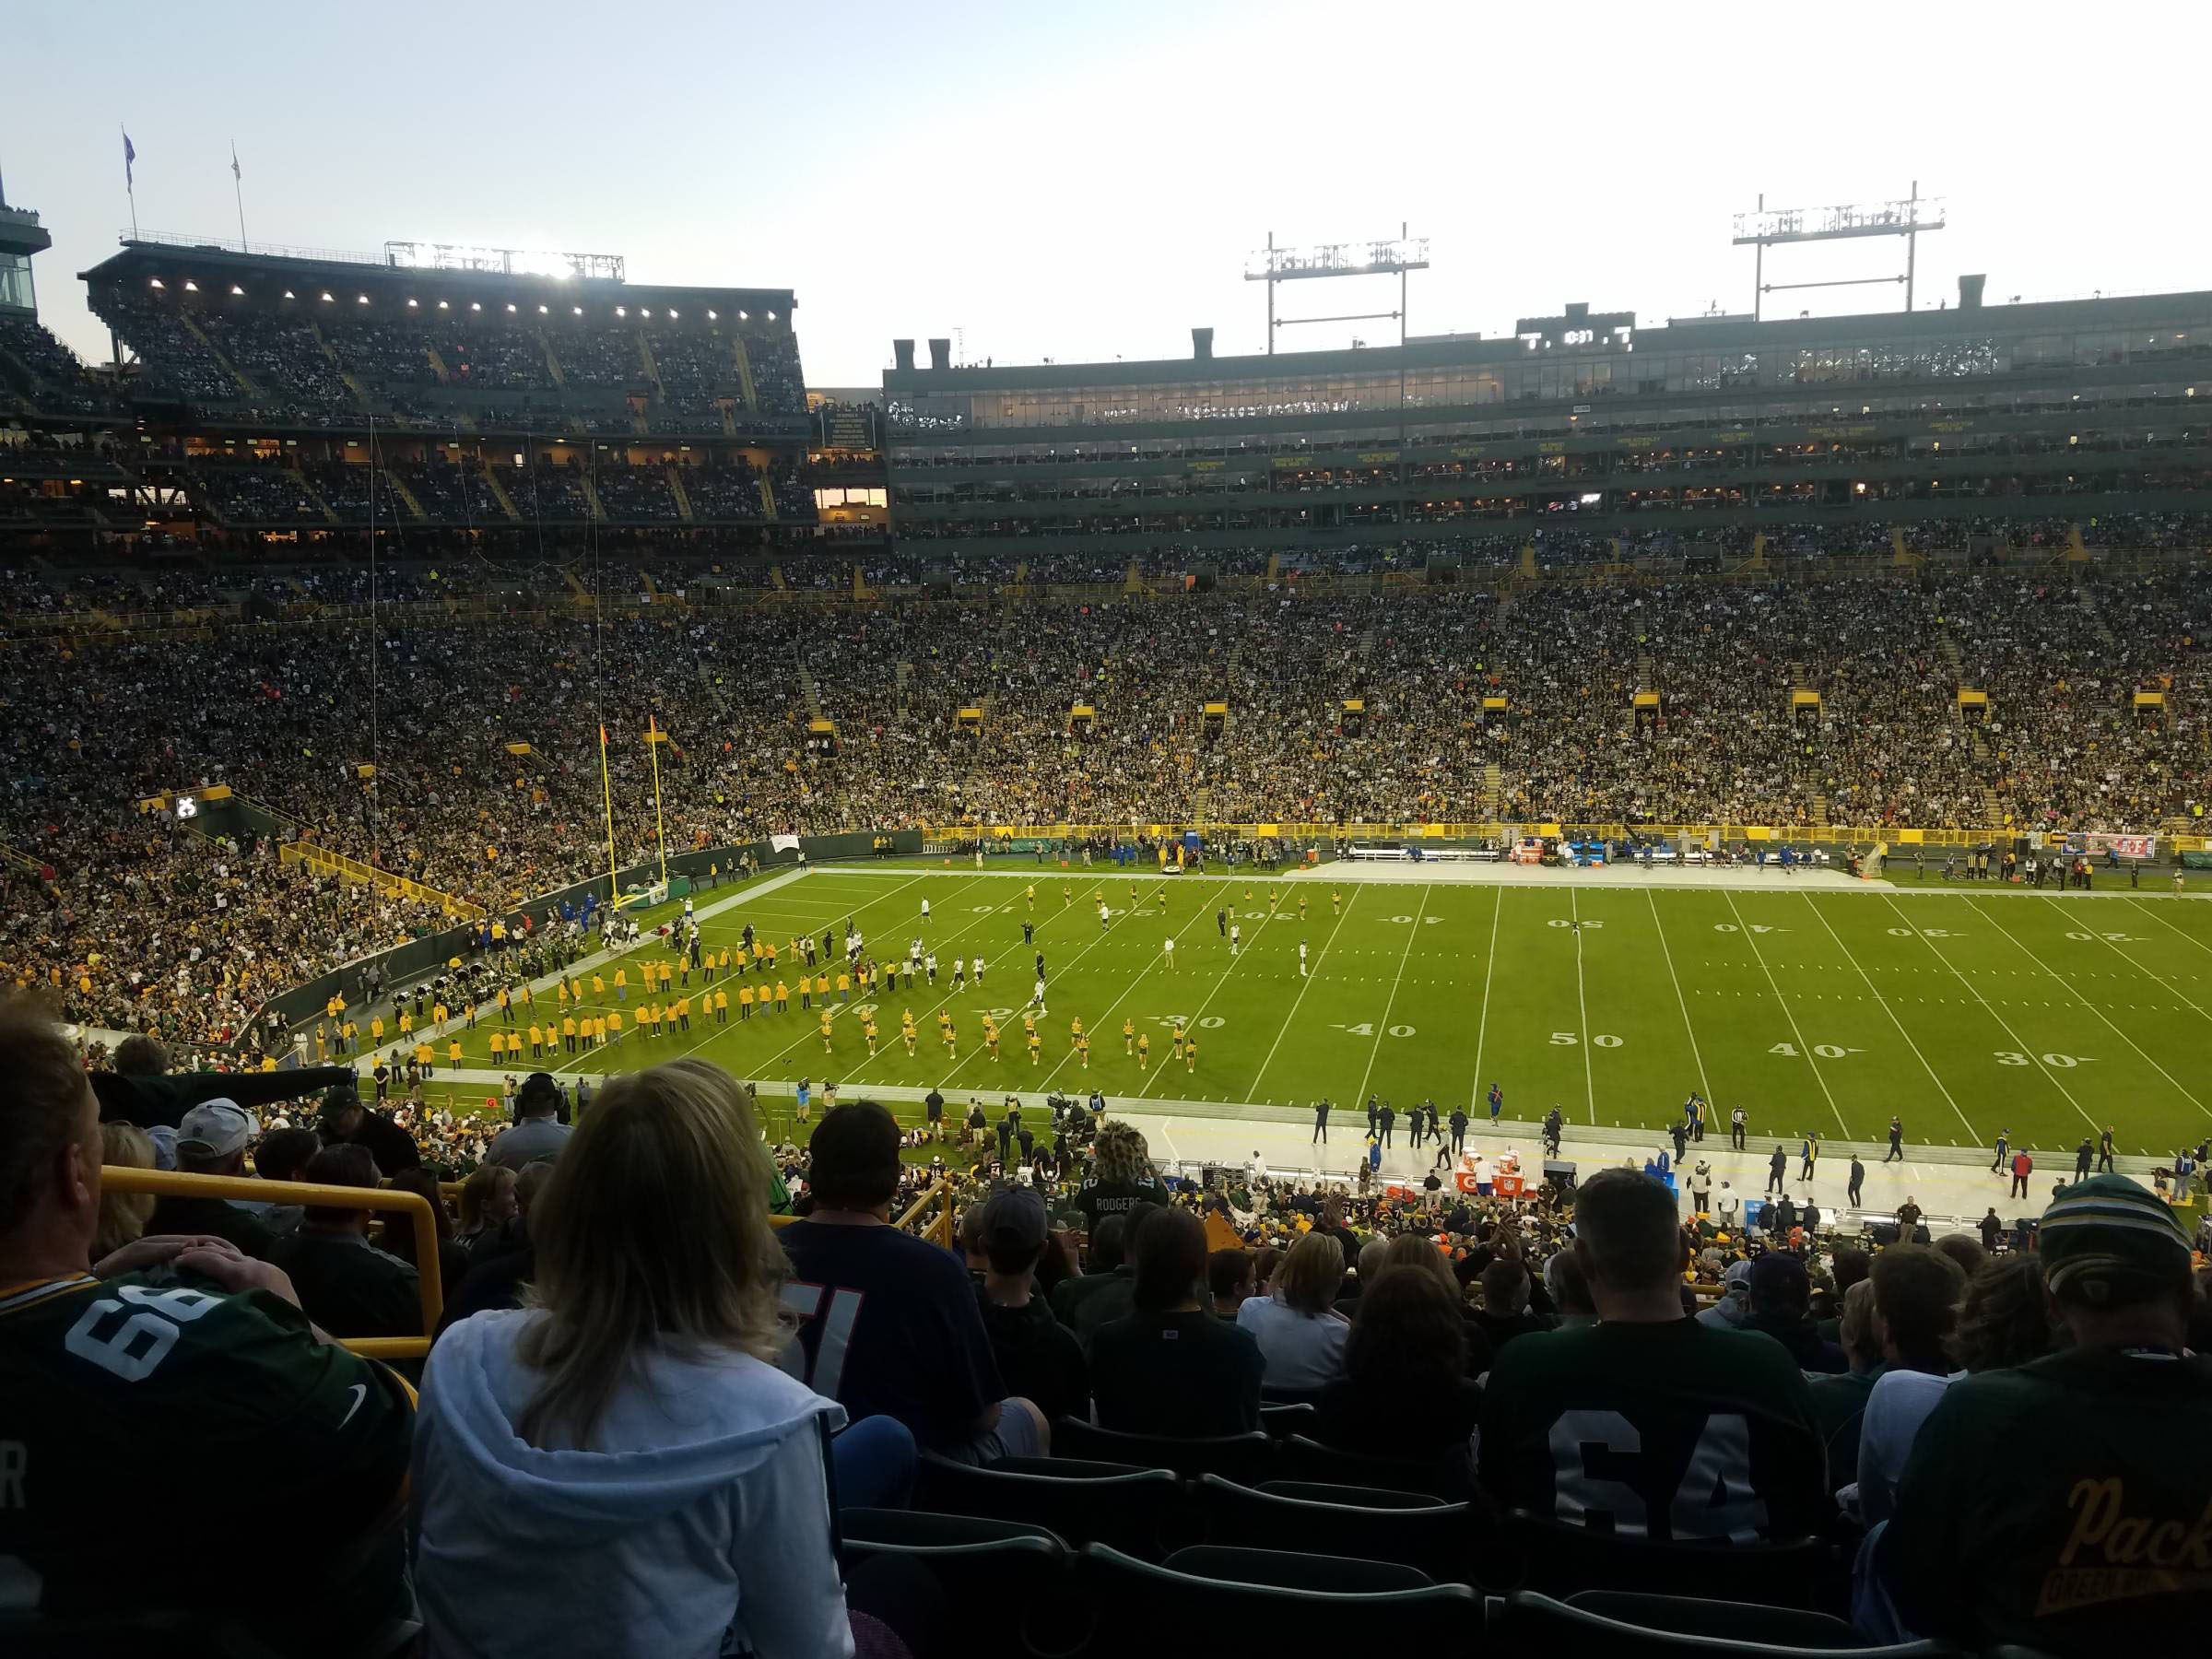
660 826
238 189
614 890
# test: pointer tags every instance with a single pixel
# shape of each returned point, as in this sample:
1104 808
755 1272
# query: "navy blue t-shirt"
888 1327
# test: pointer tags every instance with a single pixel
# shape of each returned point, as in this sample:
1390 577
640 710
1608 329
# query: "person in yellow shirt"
825 1030
649 1021
376 1031
1336 901
1074 1031
782 997
598 1035
745 1001
1083 1048
991 1035
1176 1039
453 1053
906 1030
738 957
506 1006
576 988
1036 1048
1031 895
598 987
867 1030
621 987
1144 1052
722 1007
537 1041
822 988
1128 1037
561 994
945 1031
440 1013
424 1055
322 1043
568 1032
522 995
844 986
683 1013
806 991
347 1034
1189 1053
614 1028
1067 895
406 1023
1302 904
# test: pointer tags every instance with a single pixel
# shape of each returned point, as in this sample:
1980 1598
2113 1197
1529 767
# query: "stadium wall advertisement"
403 962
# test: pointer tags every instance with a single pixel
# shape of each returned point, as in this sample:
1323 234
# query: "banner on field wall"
2126 846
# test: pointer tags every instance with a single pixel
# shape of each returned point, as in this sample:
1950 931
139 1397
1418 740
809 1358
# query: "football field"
1966 1011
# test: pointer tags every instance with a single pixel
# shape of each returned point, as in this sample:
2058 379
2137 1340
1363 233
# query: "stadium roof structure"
387 282
1577 330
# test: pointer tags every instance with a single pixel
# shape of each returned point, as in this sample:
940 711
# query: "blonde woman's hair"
652 1230
1312 1275
480 1190
1123 1155
123 1215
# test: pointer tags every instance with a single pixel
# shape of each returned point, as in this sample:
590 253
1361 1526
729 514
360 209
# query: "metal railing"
416 1208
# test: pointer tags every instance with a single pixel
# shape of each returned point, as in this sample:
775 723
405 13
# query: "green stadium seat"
1300 1458
1242 1458
1552 1559
1296 1570
1321 1491
1133 1510
1438 1539
1281 1421
1734 1620
1132 1605
1005 1580
1532 1623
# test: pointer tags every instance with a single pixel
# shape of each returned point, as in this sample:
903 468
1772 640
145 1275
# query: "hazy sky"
1080 180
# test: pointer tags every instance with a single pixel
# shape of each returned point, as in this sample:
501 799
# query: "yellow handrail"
181 1183
939 1230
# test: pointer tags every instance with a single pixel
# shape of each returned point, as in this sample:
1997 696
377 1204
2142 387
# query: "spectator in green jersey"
2060 1502
1648 1425
183 1373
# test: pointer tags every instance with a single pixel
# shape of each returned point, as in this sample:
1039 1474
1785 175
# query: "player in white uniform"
1236 936
1104 914
926 913
1302 958
1167 946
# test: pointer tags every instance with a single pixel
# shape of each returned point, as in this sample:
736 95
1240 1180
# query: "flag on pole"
130 153
234 172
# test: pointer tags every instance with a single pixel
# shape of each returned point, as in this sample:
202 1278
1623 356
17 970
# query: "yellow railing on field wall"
416 1207
353 869
1837 834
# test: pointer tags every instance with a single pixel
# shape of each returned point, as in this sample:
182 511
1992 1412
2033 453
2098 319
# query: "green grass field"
1968 1012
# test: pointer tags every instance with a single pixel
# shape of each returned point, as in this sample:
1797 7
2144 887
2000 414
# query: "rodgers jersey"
146 1412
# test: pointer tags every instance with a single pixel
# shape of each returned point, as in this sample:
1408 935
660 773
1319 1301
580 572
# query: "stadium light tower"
1765 229
1274 266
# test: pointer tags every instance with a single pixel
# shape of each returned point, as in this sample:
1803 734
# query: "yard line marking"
2152 912
1483 1025
1197 915
1589 1079
2139 968
1854 960
1679 1002
1744 929
2023 1047
1357 887
1383 1029
2093 1009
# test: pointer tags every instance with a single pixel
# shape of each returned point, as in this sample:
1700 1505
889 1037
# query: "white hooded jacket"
698 1524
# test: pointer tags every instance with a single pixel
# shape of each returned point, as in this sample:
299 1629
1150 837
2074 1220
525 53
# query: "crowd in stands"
1583 1389
425 370
287 717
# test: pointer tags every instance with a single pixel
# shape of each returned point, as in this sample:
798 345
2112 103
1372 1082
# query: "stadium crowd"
1840 1422
482 733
